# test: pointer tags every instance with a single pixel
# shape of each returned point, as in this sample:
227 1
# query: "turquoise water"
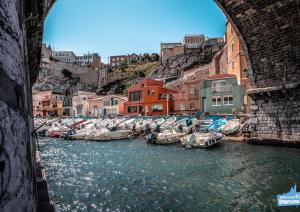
134 176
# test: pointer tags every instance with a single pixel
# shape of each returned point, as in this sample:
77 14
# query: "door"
204 104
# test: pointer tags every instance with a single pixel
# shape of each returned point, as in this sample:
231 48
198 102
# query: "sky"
114 27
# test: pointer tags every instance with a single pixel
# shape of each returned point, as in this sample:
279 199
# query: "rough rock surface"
176 65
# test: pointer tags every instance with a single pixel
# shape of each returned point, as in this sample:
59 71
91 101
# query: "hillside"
116 79
119 79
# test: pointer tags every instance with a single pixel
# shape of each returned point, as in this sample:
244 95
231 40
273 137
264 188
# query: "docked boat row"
189 131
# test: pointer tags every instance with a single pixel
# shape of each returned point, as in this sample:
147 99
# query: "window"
148 92
114 101
232 65
157 108
181 106
79 110
132 109
216 101
192 105
135 96
228 100
106 103
232 47
152 92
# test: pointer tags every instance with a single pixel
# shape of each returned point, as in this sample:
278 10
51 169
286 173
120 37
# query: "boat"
168 123
106 135
232 127
218 125
165 137
201 140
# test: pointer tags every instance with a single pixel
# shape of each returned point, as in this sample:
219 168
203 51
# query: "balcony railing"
222 89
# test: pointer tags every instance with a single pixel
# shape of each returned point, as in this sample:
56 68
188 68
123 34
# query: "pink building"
47 103
107 105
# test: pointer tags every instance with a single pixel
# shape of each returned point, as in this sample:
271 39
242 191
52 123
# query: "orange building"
149 97
236 61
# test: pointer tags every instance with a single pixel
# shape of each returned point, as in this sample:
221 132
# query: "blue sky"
112 27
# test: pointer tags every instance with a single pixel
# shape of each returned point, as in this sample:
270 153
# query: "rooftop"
220 76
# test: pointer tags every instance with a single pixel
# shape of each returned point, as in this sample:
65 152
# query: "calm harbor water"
134 176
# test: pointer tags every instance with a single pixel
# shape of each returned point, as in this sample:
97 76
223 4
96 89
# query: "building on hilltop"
46 55
149 97
64 56
194 40
168 50
128 59
90 59
190 44
117 60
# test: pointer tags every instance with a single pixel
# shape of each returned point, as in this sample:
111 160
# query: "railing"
222 89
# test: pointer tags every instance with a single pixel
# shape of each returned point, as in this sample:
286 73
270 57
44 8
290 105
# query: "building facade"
149 97
194 40
236 62
187 100
221 94
46 56
64 56
107 105
47 104
93 60
168 50
80 103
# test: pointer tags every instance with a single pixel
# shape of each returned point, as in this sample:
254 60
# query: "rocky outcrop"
52 78
176 65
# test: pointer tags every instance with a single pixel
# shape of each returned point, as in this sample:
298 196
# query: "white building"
64 56
80 103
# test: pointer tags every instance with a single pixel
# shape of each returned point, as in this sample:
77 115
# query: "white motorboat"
201 140
231 127
106 135
169 136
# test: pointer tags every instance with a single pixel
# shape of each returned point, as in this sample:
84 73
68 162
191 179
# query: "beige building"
168 50
80 103
107 105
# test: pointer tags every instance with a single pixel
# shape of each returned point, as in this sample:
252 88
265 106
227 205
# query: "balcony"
222 89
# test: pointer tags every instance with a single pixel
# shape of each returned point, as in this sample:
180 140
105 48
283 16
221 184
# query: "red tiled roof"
220 76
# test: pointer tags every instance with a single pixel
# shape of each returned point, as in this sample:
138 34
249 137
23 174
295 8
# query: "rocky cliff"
176 65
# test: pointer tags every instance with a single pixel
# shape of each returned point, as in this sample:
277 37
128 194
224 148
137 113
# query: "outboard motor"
147 129
70 132
151 139
180 128
157 128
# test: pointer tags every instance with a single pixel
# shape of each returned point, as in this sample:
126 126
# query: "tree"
67 73
154 57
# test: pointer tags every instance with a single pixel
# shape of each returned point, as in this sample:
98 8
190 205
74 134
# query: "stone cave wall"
269 31
17 182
